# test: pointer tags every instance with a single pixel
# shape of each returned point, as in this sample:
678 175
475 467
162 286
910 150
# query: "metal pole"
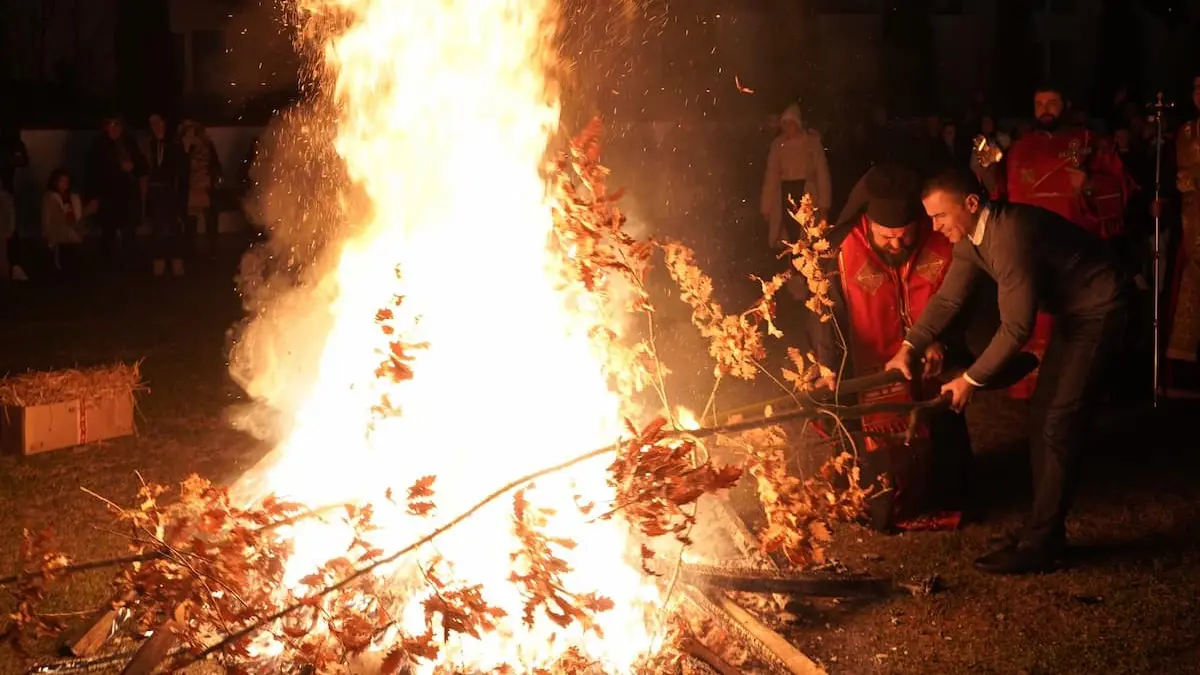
1158 118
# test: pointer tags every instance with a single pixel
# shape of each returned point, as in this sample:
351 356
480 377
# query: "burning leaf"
420 496
395 659
542 584
656 477
647 559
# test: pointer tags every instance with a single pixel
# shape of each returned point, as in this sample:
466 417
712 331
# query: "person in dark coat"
166 196
115 170
1038 259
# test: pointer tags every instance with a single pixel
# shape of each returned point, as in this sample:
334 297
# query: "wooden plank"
694 647
791 658
775 653
155 650
732 525
88 637
787 581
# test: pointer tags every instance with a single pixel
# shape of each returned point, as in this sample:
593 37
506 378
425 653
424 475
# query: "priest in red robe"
1068 170
889 263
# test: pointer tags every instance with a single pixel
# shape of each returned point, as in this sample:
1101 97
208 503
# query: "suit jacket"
1039 261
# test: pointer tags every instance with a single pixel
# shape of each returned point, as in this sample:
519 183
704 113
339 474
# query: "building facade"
60 43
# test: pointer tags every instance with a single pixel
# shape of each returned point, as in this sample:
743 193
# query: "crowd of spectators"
167 179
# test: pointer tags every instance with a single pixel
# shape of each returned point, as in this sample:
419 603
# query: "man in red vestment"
889 263
1068 170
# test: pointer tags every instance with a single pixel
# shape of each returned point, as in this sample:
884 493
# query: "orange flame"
446 113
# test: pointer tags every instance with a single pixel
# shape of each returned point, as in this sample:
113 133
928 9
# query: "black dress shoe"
1018 558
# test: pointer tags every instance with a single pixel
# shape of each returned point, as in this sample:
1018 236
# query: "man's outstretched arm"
1012 263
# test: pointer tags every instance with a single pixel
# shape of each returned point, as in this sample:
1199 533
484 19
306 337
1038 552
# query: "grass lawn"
1130 603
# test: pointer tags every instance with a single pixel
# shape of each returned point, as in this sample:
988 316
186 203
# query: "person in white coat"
796 166
62 219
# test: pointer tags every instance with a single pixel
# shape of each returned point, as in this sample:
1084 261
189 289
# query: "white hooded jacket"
801 157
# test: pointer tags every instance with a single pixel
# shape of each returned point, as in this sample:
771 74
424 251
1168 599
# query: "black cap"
893 196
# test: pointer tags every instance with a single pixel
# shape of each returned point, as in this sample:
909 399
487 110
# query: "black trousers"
166 221
1078 360
118 216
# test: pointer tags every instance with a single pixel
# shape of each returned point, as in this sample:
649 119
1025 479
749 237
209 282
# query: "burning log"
787 582
96 664
697 649
88 637
155 650
775 652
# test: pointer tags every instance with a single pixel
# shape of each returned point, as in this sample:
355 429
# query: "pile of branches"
215 572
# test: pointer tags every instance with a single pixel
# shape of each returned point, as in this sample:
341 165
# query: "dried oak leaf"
420 496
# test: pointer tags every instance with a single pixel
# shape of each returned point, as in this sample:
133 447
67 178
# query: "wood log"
786 582
92 664
793 659
86 638
155 650
779 656
731 524
713 660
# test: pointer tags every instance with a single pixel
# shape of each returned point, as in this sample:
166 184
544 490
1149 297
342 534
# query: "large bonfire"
452 354
465 482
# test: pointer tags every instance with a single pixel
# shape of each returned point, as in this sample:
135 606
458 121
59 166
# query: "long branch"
83 567
151 555
513 485
363 571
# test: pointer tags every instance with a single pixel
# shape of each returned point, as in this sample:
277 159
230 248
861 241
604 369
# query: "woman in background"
62 221
796 166
203 178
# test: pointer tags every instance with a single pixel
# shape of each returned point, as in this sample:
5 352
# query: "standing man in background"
166 182
796 166
1064 169
1038 260
115 171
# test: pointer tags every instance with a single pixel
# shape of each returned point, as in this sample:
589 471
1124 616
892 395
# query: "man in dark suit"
1038 259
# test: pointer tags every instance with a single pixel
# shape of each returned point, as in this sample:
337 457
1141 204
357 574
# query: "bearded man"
1038 260
889 263
1065 169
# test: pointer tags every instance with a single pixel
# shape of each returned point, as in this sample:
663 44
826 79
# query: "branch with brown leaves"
41 565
